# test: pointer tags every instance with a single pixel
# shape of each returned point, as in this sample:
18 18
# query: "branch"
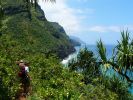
115 67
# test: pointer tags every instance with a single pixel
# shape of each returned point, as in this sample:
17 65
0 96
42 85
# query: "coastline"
66 60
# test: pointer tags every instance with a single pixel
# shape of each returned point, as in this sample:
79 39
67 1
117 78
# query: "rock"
68 50
11 10
42 15
42 18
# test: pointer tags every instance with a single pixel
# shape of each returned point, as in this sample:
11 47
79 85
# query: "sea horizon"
92 48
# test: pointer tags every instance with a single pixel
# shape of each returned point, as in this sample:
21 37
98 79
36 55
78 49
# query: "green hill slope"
37 34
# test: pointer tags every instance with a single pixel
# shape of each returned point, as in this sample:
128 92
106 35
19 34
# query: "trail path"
22 98
21 95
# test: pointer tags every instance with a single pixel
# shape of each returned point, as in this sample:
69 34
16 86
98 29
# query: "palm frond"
102 51
124 51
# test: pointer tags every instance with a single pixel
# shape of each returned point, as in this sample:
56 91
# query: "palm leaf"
101 51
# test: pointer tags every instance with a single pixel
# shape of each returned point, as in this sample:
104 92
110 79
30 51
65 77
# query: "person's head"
21 63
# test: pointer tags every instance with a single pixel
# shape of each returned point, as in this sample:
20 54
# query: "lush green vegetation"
35 34
92 71
26 34
122 58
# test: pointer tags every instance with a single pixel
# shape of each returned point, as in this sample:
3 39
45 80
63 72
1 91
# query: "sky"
92 20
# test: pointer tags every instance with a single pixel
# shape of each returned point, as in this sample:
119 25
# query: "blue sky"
91 20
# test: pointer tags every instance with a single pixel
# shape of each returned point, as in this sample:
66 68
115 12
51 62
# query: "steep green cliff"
32 30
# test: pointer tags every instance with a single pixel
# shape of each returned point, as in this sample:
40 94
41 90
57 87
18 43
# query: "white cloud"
84 11
73 20
108 29
64 15
97 29
82 0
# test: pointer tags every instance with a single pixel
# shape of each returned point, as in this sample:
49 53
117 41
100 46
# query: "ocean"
92 48
109 49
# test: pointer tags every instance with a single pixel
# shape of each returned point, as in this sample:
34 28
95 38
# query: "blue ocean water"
93 48
109 49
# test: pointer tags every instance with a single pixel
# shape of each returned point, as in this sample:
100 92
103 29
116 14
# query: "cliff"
33 32
76 41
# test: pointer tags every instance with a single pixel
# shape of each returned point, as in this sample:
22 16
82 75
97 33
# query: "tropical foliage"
91 69
121 60
85 64
33 3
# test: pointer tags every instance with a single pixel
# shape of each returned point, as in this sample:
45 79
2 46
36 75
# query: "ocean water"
109 49
92 48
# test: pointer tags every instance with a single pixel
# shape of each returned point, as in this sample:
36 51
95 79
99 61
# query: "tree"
30 3
86 64
122 59
1 14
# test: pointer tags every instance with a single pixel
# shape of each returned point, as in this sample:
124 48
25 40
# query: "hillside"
27 35
34 34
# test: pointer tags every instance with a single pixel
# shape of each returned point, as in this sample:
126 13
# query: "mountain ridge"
47 37
76 41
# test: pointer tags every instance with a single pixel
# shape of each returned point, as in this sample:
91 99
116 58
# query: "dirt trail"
21 95
22 98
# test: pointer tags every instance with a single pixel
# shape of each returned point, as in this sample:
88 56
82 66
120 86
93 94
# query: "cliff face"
76 41
33 32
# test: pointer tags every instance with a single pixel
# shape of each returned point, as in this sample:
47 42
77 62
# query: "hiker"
24 76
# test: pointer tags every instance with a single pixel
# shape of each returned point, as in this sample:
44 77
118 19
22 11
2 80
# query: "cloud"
97 29
64 15
82 0
85 11
105 29
76 20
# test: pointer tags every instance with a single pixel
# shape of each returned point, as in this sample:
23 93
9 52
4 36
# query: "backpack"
22 73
